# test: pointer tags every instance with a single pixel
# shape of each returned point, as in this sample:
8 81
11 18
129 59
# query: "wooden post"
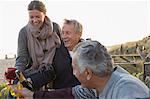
6 57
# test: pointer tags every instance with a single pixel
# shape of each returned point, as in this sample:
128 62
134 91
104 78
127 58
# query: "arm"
41 76
22 59
65 93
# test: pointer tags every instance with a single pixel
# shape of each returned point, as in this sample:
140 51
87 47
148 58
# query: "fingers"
22 92
2 92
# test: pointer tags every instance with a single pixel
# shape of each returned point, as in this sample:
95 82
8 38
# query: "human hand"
24 93
3 92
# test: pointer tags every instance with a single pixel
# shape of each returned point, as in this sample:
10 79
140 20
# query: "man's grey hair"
77 25
93 55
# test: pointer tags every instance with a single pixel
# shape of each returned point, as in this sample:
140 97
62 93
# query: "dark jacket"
61 64
65 93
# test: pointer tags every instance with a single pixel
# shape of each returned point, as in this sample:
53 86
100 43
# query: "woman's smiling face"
36 18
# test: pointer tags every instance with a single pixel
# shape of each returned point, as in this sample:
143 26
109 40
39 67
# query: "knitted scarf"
80 92
42 43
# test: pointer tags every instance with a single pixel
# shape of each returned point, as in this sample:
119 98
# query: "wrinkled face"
70 36
36 18
81 76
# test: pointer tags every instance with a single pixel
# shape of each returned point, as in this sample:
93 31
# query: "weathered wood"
126 55
127 58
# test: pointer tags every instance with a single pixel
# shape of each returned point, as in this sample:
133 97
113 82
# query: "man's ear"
88 73
79 34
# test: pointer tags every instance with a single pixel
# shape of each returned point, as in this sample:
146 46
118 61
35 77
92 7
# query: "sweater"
121 85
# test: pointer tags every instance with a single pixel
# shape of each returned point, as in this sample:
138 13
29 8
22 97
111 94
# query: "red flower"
10 74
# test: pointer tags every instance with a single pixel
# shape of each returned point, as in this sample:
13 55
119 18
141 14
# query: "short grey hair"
93 55
77 25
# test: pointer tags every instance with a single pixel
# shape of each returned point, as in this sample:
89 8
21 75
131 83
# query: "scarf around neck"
42 43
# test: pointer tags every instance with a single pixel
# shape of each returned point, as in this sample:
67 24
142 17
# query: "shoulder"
23 31
127 85
22 34
62 50
56 28
55 24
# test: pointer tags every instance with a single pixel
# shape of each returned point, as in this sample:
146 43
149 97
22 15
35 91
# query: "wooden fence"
133 60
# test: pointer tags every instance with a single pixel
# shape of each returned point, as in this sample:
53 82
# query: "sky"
110 22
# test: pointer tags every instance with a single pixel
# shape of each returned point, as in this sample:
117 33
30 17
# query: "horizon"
109 22
11 55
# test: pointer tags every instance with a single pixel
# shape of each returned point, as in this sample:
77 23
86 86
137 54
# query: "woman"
41 53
